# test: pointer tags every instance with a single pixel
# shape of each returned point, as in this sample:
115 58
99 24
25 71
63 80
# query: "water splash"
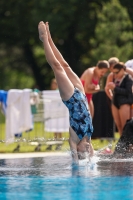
109 146
85 162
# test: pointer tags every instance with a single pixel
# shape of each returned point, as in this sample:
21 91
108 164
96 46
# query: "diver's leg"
71 75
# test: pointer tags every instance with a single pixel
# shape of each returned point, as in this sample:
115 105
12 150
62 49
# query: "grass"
29 140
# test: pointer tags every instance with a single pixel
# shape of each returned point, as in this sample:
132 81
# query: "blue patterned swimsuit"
79 115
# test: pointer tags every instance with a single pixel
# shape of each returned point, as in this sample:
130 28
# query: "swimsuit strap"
95 81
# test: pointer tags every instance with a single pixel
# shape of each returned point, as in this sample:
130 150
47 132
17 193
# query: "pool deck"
31 155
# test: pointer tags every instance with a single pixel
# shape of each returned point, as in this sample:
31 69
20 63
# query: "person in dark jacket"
124 146
121 92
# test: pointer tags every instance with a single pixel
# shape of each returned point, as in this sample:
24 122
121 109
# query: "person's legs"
57 135
124 112
116 116
91 108
71 75
65 86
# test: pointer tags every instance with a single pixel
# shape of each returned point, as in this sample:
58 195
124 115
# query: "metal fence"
38 135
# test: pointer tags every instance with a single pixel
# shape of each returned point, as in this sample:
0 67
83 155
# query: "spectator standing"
121 95
90 80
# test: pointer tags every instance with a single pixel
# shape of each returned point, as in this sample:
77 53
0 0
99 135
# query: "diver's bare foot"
48 31
42 31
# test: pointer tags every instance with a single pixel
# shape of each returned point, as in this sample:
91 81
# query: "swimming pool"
53 178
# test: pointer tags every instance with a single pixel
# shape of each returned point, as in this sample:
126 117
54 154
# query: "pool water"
53 178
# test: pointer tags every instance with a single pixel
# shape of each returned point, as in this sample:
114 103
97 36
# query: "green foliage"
113 33
69 23
128 4
14 72
73 28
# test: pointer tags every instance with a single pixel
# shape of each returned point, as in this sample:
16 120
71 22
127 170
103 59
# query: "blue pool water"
53 178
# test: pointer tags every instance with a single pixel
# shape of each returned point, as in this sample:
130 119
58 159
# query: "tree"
128 4
72 24
113 33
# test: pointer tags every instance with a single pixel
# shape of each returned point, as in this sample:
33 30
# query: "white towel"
129 64
18 114
56 114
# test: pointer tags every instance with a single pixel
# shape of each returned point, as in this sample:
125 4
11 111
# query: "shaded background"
84 31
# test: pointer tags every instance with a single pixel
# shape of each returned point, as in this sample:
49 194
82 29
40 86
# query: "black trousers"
103 122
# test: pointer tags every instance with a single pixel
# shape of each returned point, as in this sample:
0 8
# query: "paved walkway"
31 155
